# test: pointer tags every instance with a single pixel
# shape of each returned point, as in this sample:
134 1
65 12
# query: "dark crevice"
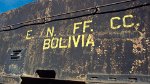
46 73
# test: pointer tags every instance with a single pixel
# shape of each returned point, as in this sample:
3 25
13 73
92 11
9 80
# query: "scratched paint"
120 40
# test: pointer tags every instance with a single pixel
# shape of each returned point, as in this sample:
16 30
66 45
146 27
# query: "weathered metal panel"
102 41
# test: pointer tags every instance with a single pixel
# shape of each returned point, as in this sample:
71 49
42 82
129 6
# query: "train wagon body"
76 41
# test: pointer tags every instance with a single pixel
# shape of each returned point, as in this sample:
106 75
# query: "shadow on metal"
29 80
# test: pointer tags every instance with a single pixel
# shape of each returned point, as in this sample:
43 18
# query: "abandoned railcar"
76 42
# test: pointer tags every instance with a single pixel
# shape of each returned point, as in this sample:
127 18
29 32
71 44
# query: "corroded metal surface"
106 40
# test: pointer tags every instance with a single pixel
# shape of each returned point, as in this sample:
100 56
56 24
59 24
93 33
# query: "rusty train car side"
76 42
